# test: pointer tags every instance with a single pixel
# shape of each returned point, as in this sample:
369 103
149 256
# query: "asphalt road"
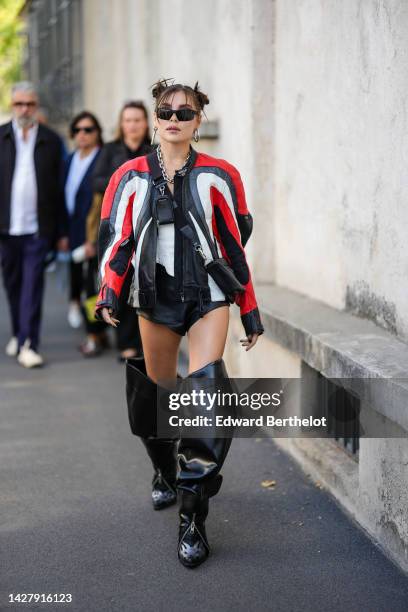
76 516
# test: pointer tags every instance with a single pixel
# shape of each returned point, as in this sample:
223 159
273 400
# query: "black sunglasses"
87 130
182 114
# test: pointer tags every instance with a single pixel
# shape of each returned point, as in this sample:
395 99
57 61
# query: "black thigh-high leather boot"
199 478
141 392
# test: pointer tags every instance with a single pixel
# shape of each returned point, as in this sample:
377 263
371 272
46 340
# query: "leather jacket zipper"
183 250
185 240
155 257
182 267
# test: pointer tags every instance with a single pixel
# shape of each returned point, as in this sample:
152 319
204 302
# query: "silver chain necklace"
163 169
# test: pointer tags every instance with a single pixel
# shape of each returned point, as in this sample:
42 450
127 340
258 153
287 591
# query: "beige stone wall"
265 360
341 155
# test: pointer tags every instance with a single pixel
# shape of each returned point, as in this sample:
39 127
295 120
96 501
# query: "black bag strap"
157 175
160 184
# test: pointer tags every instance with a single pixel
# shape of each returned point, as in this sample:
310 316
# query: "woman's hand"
106 316
249 341
90 250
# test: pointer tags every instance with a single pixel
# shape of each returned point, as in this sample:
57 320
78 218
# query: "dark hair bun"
160 86
202 98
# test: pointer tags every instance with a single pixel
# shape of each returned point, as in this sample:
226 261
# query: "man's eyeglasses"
182 114
87 130
21 104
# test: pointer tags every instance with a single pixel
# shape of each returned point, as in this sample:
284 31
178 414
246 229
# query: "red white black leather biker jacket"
213 200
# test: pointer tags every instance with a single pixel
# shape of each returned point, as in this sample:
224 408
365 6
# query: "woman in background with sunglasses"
132 140
86 132
164 212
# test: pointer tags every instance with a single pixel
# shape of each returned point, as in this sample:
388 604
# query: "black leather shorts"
178 316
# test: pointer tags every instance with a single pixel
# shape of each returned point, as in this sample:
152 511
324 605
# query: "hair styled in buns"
163 88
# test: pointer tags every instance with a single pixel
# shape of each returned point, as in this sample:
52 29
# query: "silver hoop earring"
154 136
196 135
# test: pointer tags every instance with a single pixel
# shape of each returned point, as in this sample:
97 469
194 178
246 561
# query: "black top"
178 236
179 177
113 155
132 153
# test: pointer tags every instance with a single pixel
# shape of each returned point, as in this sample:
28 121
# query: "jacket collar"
42 133
90 168
192 160
8 130
17 130
186 168
190 164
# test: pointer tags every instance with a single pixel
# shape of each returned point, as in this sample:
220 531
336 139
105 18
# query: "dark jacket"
83 201
48 161
113 155
214 204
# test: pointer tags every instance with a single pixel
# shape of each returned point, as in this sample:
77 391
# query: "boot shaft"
163 455
201 458
193 507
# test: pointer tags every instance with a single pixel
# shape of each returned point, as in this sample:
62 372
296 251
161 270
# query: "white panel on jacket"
165 247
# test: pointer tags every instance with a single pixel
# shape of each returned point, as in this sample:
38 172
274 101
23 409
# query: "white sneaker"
29 358
12 347
74 316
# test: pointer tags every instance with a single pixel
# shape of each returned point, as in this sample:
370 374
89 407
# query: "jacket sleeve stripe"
116 242
136 264
216 292
226 230
208 181
114 207
241 204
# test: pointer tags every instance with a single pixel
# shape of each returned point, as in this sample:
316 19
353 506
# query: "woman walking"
132 140
86 132
172 212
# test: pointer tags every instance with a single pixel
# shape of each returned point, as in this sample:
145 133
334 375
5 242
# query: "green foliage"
11 48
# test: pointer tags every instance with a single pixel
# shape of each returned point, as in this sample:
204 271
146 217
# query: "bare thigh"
207 337
160 347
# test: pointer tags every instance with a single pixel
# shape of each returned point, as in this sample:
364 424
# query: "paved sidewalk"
76 518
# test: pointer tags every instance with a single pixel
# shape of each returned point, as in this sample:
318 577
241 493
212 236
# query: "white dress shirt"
23 204
77 170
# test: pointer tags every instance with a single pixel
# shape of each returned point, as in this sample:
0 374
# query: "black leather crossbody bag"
218 267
